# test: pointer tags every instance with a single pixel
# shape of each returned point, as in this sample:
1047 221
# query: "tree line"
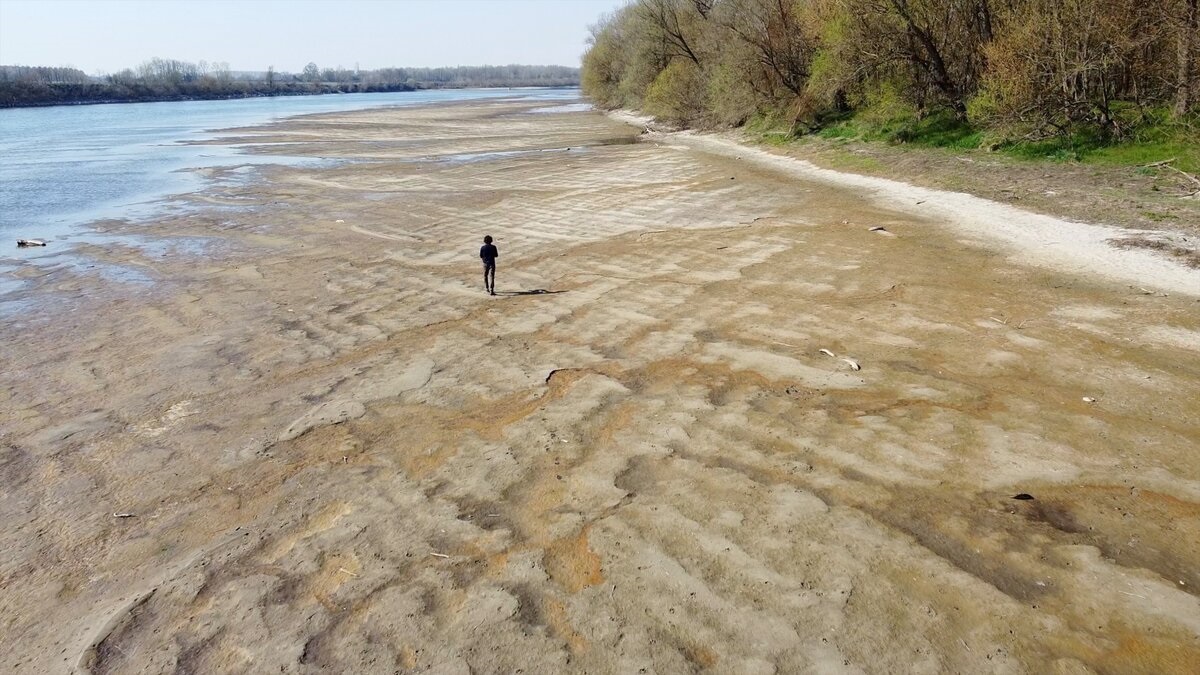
1030 69
171 80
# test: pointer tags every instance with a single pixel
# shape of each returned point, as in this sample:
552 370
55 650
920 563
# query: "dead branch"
1184 174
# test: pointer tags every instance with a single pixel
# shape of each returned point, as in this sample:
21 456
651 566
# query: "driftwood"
1152 165
1184 174
850 362
1166 163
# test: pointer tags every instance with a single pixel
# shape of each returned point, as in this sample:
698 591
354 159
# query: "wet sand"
312 442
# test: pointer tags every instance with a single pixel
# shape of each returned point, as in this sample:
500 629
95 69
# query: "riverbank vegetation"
1082 79
171 80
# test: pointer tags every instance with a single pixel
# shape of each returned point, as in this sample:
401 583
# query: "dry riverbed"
303 438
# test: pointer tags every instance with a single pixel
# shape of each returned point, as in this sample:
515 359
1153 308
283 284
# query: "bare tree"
671 17
1184 88
925 52
771 28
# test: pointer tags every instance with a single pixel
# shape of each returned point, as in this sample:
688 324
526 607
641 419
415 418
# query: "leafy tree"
1027 67
677 94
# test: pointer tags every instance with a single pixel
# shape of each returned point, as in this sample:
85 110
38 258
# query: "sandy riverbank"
338 452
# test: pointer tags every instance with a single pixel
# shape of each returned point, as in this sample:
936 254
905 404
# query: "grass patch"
935 131
776 138
1157 217
1054 149
940 131
1185 154
1147 146
768 128
1155 140
840 131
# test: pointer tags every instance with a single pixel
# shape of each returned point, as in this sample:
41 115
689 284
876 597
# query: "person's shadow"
536 291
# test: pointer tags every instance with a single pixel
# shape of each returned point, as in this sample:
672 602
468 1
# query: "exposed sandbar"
339 452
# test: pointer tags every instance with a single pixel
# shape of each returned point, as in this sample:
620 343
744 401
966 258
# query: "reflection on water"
8 283
64 166
85 266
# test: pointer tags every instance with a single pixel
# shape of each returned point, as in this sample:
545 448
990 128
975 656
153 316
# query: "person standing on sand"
488 254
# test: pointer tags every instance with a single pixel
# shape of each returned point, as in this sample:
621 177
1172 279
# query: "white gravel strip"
1029 238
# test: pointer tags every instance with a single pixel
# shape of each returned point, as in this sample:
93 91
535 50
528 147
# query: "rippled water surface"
64 166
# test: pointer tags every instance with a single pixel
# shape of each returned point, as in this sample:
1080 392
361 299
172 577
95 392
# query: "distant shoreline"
44 101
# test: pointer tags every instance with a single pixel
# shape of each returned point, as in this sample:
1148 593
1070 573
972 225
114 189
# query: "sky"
105 36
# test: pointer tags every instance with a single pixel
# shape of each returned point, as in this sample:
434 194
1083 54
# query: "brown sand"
340 454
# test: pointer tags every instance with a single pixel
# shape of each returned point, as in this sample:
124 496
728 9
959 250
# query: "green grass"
1156 140
845 130
936 131
766 126
1147 146
1185 154
777 138
1157 216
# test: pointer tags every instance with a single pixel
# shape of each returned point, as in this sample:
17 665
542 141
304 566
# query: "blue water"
65 166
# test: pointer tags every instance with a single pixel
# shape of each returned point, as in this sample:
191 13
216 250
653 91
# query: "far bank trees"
170 79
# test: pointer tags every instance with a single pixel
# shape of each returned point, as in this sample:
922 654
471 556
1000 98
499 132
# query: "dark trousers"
489 276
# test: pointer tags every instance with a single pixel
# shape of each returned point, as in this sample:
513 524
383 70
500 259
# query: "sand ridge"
340 453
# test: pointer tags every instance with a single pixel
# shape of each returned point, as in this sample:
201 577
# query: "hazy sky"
108 35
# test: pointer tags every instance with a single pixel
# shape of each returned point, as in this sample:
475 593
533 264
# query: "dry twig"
1152 165
1184 174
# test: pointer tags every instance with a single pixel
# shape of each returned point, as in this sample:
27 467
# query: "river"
65 166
